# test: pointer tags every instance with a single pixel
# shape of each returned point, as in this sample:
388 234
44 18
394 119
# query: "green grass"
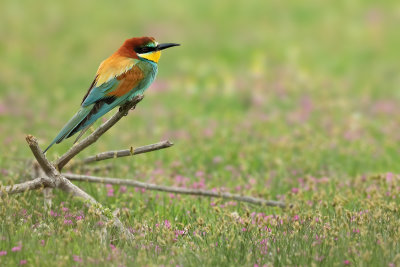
281 100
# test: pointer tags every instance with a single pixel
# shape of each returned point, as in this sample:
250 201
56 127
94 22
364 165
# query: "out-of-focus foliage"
291 100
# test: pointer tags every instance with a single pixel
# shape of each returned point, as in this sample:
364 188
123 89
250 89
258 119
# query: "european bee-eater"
125 74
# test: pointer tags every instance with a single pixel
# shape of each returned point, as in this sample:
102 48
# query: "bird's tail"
72 125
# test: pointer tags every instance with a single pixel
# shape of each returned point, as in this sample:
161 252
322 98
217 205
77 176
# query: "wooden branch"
171 189
66 185
37 171
74 150
126 152
47 167
37 183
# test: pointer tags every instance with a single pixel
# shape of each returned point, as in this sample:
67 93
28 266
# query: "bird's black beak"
166 45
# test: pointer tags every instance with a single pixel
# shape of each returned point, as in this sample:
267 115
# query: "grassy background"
283 100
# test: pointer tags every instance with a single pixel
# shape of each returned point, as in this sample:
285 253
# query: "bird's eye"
143 49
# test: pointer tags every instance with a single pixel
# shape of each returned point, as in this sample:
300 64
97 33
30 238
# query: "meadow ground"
296 101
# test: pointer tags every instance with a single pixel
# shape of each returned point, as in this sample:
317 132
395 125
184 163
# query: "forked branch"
63 183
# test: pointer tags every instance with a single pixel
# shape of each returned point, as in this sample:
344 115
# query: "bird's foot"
125 112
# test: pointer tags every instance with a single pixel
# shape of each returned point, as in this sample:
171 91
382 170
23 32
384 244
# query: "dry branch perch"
47 191
171 189
73 151
64 184
126 152
37 183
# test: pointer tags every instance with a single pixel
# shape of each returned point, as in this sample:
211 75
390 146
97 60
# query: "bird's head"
143 48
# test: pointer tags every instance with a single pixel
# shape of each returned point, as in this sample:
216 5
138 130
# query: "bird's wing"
115 77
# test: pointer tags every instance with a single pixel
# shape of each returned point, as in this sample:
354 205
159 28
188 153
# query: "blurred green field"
296 101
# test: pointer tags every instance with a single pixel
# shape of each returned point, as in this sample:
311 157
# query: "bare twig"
73 151
127 152
37 171
37 183
64 184
47 167
171 189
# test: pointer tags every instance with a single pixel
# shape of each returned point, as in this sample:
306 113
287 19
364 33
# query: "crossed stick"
50 175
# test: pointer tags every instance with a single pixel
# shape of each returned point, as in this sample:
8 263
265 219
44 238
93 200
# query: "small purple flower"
52 213
346 262
65 209
3 253
167 224
110 192
68 222
389 177
199 174
77 258
122 189
22 262
42 242
295 190
15 249
217 159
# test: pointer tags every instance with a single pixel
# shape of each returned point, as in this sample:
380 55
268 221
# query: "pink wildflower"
122 189
22 262
199 174
346 262
77 258
167 224
217 159
18 248
68 222
295 190
52 213
3 253
389 177
42 242
110 192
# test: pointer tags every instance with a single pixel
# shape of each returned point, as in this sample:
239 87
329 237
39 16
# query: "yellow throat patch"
154 56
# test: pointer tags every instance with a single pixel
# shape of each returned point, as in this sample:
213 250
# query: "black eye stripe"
144 49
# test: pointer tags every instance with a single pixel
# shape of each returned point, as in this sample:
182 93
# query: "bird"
127 73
